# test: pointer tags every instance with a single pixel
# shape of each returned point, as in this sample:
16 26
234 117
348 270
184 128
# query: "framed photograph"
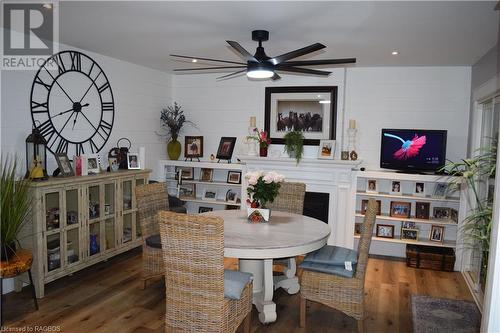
205 209
422 210
310 109
408 225
419 190
396 187
210 194
441 213
92 163
234 177
231 196
193 146
326 149
454 215
64 165
400 209
385 230
358 228
440 190
113 164
409 234
133 161
187 191
185 172
437 233
371 186
226 148
364 205
206 174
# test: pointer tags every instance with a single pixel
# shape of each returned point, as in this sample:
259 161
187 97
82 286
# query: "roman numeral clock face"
72 104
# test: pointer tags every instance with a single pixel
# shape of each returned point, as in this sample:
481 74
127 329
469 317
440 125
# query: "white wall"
400 97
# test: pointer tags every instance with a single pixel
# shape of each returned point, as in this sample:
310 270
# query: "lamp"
36 156
260 70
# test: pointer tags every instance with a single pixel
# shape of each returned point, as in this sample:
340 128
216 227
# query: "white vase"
266 213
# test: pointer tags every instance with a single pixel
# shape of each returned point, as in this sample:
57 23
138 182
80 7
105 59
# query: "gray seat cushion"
178 209
154 241
328 269
333 255
235 282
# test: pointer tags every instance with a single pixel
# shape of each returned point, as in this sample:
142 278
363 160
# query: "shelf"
393 175
407 197
411 219
223 165
407 241
214 202
214 183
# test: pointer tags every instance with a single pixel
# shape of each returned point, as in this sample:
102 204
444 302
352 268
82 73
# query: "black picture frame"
231 173
188 141
224 152
332 90
64 165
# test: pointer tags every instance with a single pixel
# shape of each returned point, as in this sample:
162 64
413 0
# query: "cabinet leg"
33 292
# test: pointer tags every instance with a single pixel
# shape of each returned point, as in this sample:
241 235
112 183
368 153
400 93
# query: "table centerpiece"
263 187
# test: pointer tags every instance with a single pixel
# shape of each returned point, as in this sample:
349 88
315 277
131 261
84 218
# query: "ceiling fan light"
260 74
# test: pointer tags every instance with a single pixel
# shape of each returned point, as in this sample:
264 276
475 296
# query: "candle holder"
351 132
252 144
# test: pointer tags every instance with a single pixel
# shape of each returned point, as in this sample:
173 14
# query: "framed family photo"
326 149
193 146
371 186
206 174
400 209
186 173
133 161
234 177
419 189
64 165
437 233
202 209
309 109
385 230
396 187
226 148
364 206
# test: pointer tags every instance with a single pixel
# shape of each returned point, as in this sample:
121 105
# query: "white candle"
253 121
352 124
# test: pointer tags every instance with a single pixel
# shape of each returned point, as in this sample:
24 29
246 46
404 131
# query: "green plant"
173 119
263 187
15 201
294 144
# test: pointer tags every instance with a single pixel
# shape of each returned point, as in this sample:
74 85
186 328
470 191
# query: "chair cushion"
235 282
328 269
178 209
154 241
333 255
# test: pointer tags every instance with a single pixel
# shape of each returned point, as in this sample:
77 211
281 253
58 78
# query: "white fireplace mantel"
335 177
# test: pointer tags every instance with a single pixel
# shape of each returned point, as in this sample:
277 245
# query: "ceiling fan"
261 66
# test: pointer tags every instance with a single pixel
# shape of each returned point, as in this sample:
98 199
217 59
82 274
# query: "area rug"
439 315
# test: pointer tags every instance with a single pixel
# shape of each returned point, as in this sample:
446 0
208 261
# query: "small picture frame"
210 194
358 228
409 234
234 177
231 196
400 209
385 230
64 165
437 233
185 172
133 161
454 215
419 190
92 164
422 210
371 186
206 174
408 225
441 213
396 187
193 146
326 149
113 164
226 148
187 191
364 205
440 191
202 209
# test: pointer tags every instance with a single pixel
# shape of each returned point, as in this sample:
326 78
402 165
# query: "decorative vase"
174 149
93 244
263 151
256 215
8 251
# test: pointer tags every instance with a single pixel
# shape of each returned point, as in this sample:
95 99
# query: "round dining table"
256 245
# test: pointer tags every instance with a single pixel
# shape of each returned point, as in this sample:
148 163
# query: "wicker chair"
193 250
151 198
290 198
343 294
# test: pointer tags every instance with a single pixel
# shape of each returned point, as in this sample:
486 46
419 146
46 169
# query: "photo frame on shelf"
311 109
436 234
234 177
371 186
193 147
326 149
64 165
441 213
396 187
400 209
454 215
358 228
92 164
409 234
364 205
202 209
209 194
385 231
187 173
440 190
133 161
206 174
422 210
187 191
226 148
231 196
419 190
408 225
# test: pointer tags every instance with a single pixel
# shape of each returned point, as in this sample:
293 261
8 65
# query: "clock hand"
74 121
93 82
72 109
71 115
64 91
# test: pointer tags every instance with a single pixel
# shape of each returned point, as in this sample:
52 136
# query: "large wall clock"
72 104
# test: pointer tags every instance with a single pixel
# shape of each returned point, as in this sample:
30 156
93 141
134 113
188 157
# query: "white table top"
285 235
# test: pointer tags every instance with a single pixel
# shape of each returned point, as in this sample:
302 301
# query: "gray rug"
439 315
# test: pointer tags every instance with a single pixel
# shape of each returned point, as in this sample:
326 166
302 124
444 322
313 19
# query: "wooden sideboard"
79 221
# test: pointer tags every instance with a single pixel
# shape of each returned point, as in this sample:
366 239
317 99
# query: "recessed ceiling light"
194 60
47 5
395 52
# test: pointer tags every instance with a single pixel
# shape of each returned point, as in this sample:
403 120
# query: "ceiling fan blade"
208 59
231 74
205 68
297 53
276 77
302 70
320 62
241 50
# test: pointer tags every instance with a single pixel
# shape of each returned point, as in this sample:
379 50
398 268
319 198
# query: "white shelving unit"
219 183
396 246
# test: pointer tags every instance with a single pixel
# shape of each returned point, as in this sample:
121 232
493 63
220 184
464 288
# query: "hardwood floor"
107 298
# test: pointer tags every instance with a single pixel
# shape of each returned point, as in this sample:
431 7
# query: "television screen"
412 149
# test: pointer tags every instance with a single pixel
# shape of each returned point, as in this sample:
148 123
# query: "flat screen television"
413 149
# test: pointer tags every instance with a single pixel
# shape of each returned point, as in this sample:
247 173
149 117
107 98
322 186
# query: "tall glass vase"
174 148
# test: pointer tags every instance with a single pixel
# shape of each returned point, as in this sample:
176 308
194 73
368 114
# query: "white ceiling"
445 33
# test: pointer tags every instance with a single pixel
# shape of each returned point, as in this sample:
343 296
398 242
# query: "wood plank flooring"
107 298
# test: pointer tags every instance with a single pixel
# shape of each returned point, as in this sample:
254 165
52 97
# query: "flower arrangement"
173 119
262 187
261 137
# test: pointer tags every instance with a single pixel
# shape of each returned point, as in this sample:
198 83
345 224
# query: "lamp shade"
260 70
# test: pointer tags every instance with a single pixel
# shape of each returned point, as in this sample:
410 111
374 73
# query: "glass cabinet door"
94 202
52 208
127 227
110 233
72 226
94 241
53 246
109 199
127 195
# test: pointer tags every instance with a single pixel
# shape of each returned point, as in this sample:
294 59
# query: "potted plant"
263 139
173 119
14 195
294 144
262 188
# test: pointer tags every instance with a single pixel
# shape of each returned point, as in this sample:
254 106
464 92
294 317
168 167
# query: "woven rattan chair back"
290 198
150 198
366 239
193 251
